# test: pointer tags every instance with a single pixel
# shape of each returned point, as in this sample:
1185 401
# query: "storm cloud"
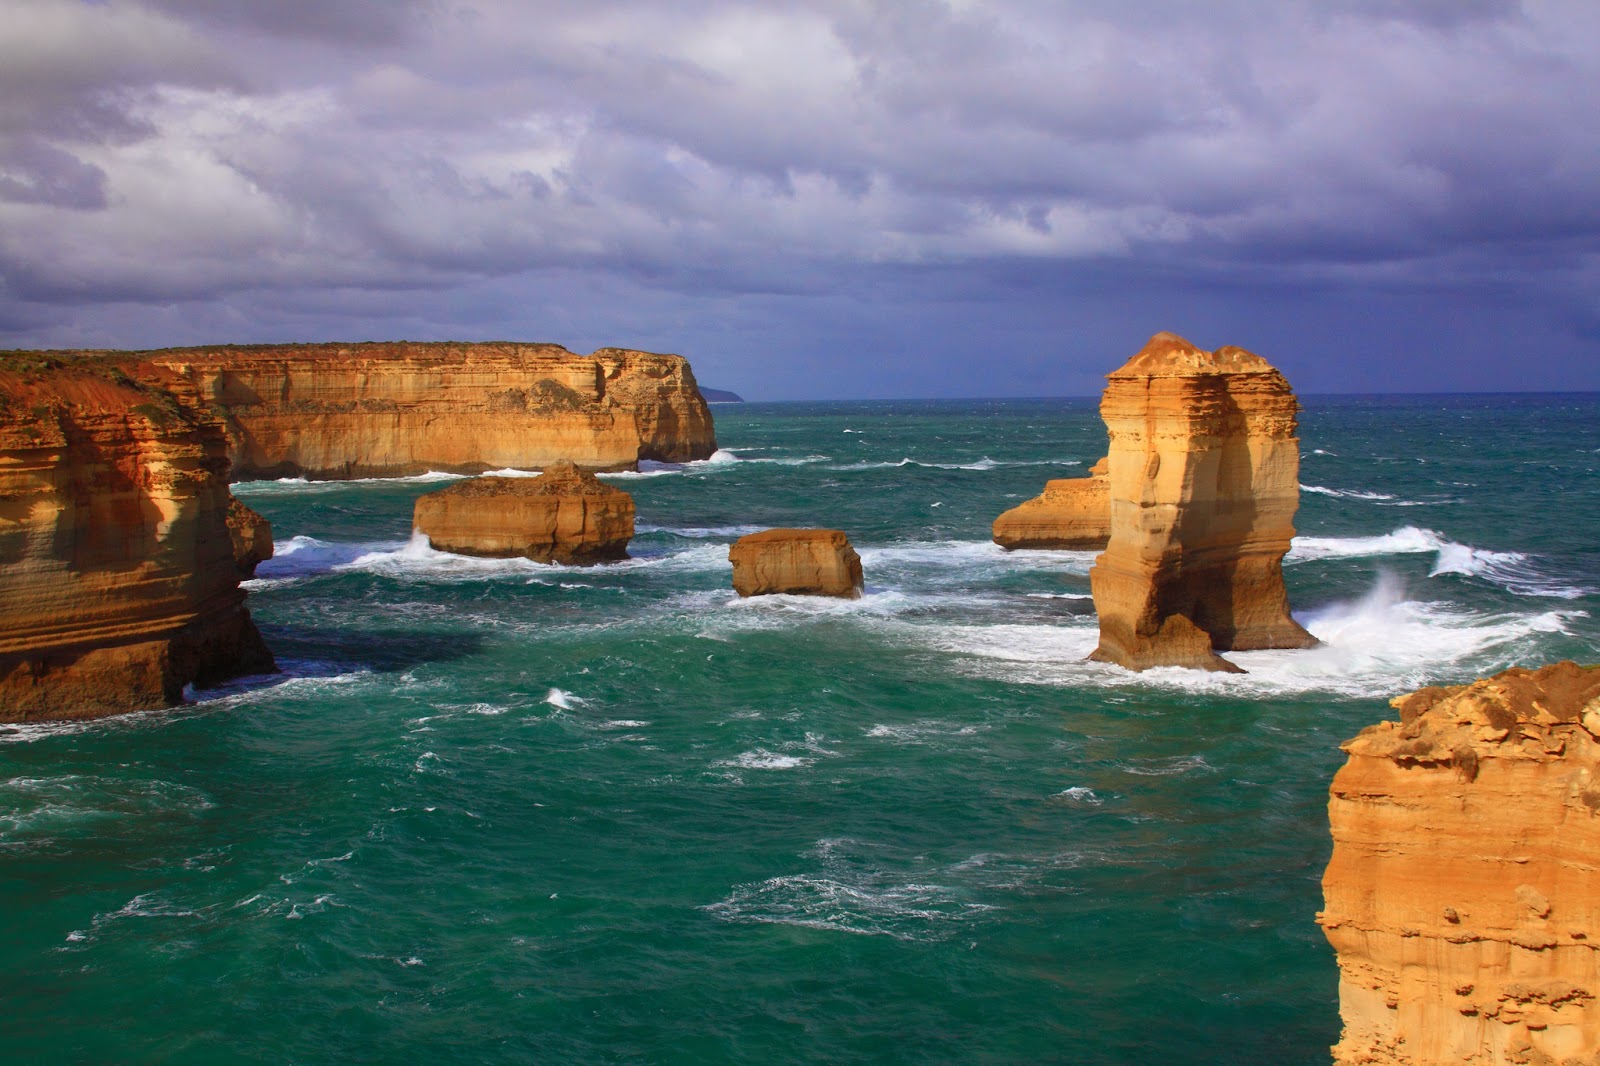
917 197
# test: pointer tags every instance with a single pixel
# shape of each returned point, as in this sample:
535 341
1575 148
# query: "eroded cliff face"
393 409
118 584
1464 888
1204 483
1071 513
565 515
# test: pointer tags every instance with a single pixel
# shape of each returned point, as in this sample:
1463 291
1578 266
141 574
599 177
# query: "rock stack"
808 562
565 515
252 538
1071 513
1203 483
1463 895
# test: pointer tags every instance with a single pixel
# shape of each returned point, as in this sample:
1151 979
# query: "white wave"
1346 494
511 471
699 532
303 485
1515 572
985 463
562 700
1080 794
848 894
761 759
923 732
302 556
1375 647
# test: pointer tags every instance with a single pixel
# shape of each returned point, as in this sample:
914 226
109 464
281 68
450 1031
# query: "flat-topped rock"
809 562
1071 513
1204 483
565 515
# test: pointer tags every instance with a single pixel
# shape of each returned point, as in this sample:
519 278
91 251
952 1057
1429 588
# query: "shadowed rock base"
1463 894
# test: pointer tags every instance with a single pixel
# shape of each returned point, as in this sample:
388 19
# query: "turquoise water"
500 812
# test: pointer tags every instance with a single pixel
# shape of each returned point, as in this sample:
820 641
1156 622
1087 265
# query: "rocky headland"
807 562
1463 892
395 409
118 581
565 515
1071 513
1203 474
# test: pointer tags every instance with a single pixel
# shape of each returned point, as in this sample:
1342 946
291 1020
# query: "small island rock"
1071 514
812 562
565 515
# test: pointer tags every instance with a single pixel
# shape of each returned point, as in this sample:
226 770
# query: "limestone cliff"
384 410
1463 895
117 577
1071 513
807 562
251 535
565 515
1204 483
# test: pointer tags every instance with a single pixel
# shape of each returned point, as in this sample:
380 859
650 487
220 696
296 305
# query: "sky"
826 199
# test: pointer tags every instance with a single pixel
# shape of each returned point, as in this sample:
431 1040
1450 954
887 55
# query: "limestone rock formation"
1071 513
117 578
1204 483
564 515
252 538
1463 895
393 409
813 562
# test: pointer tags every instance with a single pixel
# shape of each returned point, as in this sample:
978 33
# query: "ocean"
498 812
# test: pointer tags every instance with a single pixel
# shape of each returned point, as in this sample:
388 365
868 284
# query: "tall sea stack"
1463 895
1204 483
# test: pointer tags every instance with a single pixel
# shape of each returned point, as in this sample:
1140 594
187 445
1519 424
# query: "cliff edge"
1463 893
395 409
118 584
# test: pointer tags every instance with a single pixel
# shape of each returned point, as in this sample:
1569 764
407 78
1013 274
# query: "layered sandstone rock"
1463 895
117 578
565 515
251 535
1071 513
385 410
1204 483
812 562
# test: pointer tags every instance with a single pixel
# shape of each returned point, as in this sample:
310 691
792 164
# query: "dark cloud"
911 172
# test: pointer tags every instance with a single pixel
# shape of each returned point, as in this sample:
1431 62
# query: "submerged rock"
564 515
252 538
1463 894
1071 513
1204 483
813 562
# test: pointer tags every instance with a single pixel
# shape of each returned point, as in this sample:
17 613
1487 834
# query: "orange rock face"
385 410
562 516
812 562
1463 895
1071 513
117 578
252 538
1204 482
